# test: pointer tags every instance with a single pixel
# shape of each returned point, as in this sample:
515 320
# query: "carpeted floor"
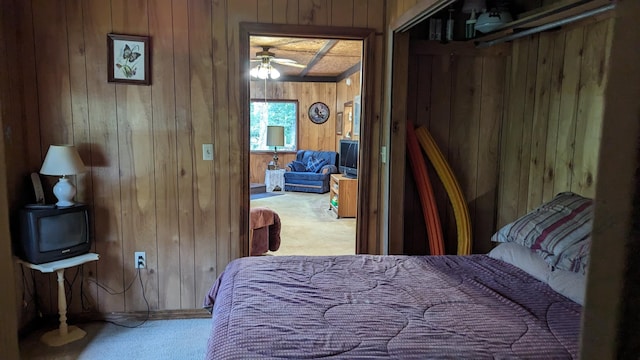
265 195
154 340
309 227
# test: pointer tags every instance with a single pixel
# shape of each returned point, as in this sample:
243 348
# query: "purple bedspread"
361 306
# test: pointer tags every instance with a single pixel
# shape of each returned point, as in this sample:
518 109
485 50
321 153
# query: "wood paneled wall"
553 116
457 93
346 93
149 187
311 136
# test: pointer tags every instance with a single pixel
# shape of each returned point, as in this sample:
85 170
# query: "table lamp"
275 138
63 160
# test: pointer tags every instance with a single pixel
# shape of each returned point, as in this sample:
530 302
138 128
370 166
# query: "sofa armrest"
295 166
329 169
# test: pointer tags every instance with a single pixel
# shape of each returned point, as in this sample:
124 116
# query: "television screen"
61 231
349 150
50 233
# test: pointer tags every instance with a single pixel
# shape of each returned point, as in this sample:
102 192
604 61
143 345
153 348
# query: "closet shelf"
544 18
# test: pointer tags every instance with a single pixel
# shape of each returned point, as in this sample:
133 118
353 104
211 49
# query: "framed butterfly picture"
128 59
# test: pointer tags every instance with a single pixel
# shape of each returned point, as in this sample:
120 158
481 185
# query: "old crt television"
49 233
349 158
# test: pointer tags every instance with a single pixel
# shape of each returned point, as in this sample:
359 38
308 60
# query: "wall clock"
318 112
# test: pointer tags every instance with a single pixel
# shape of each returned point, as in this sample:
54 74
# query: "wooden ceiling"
325 59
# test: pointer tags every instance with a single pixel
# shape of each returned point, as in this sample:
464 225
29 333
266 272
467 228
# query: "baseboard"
141 315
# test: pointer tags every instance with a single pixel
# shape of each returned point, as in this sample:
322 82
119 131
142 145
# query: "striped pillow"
576 257
552 228
315 165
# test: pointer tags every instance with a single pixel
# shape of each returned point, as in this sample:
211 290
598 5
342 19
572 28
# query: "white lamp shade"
275 135
62 160
477 5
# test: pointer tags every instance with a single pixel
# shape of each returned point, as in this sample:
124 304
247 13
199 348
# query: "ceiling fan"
266 56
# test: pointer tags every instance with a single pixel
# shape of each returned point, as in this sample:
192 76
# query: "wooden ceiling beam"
318 56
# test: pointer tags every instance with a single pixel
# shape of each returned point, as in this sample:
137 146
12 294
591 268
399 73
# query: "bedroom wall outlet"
140 259
207 152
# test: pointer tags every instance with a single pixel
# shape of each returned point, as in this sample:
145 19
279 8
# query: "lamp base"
64 191
57 338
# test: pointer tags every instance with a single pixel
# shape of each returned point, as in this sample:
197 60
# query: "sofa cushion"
304 156
303 176
315 164
297 166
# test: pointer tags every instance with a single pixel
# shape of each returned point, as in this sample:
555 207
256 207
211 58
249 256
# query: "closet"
516 112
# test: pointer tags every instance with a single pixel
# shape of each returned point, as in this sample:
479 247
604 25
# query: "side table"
64 334
274 180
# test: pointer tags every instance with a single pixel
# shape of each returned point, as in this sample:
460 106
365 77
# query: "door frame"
367 36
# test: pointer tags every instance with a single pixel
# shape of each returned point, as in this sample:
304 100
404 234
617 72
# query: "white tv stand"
64 334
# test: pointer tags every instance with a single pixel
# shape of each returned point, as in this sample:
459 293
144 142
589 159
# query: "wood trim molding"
350 71
122 317
397 154
612 307
319 32
461 48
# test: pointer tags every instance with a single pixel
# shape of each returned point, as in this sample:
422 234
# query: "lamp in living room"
275 138
63 160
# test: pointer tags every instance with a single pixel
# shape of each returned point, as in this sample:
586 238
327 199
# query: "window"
273 112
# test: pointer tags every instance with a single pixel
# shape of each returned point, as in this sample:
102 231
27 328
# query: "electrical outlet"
207 152
140 259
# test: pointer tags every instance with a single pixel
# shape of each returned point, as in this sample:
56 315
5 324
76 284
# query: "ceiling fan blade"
283 60
288 62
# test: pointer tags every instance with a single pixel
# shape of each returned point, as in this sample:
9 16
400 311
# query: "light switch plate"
207 152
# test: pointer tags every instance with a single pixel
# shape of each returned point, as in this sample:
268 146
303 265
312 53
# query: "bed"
511 303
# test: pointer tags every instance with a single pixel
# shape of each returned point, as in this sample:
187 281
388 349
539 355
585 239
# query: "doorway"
265 90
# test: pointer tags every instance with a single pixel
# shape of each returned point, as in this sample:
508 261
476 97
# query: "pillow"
523 258
315 165
576 257
551 228
569 284
297 166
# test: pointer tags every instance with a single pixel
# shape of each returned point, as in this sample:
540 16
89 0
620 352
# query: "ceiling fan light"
254 72
274 73
263 72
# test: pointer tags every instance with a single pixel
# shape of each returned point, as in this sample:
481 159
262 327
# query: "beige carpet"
308 226
153 340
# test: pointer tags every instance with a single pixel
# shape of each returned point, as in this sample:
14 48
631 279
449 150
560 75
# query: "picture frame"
339 123
128 59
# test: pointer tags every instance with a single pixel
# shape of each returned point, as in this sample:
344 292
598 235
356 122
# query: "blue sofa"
311 171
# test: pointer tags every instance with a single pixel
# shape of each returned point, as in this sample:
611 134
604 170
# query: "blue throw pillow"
298 166
315 165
